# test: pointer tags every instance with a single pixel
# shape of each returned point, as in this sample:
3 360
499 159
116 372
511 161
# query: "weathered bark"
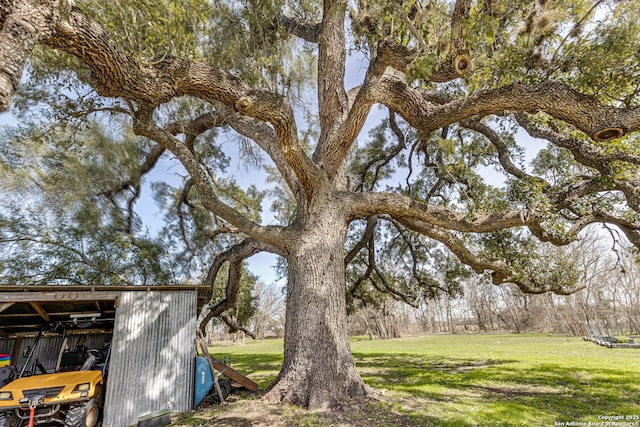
23 24
556 99
318 369
332 96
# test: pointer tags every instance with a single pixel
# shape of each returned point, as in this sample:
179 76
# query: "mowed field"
454 380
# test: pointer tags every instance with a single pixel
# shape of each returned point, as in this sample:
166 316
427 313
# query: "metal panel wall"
48 349
152 356
6 346
46 352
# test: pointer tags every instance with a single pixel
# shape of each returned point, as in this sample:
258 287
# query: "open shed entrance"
151 331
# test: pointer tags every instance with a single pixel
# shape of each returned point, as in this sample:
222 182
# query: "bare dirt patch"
250 410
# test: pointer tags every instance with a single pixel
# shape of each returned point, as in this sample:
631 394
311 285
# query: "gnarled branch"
333 150
306 31
501 272
235 257
503 151
117 74
384 158
363 205
144 126
364 241
556 99
265 137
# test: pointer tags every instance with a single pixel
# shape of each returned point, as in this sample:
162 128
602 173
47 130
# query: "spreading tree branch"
363 205
501 272
364 242
306 31
395 293
584 152
384 158
234 326
592 156
235 257
144 126
332 97
503 151
265 137
117 74
598 121
368 242
332 151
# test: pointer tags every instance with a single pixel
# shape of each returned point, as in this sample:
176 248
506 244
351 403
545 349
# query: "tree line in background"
610 302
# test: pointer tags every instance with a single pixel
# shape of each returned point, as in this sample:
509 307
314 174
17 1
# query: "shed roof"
25 310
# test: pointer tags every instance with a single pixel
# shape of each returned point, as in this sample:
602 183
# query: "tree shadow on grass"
263 368
500 392
443 391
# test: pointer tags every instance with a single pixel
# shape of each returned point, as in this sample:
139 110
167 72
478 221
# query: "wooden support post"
203 347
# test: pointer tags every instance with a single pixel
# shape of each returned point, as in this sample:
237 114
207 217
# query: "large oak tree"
462 85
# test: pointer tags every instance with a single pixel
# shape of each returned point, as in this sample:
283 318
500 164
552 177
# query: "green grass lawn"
482 380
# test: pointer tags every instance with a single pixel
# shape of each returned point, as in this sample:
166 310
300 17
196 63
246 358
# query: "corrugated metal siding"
152 356
49 347
46 352
6 346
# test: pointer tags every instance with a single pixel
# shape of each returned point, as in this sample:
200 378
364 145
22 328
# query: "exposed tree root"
346 392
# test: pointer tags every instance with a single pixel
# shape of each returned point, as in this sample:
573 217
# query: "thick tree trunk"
318 369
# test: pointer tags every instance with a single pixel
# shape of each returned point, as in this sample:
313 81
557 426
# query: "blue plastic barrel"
204 380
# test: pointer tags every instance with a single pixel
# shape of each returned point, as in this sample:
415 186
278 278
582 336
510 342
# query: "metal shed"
151 329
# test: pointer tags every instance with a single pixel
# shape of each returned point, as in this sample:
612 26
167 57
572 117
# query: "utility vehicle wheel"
7 419
82 416
225 388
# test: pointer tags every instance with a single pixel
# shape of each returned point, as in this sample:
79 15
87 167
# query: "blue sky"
6 118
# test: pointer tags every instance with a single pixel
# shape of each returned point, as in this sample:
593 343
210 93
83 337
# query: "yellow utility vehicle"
71 396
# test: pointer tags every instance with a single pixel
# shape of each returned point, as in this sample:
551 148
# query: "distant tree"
463 83
270 312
